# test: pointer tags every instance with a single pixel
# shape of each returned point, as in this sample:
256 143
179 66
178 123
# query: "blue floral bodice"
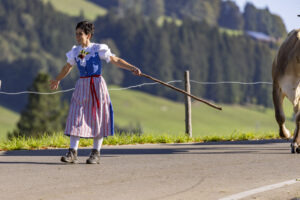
89 64
93 66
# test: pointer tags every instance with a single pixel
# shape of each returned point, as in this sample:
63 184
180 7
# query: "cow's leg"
278 97
296 140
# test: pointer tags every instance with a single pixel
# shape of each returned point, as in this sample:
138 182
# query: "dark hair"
86 26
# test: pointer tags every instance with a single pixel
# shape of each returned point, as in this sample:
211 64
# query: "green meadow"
159 116
75 7
8 119
231 32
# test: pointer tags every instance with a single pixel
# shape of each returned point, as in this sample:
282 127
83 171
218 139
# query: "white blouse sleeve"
71 56
104 52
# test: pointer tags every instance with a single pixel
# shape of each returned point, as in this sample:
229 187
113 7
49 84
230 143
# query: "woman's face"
81 37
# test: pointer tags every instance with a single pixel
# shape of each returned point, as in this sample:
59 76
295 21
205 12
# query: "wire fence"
138 86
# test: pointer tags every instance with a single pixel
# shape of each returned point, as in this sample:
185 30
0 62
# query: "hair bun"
86 26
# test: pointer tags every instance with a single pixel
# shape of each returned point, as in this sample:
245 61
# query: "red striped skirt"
86 118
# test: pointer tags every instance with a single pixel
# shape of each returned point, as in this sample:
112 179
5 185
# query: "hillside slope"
160 116
74 8
8 119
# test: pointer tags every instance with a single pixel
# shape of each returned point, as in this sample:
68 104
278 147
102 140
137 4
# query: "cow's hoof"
295 148
292 150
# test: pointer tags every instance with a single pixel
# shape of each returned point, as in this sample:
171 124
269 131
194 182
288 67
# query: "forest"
34 38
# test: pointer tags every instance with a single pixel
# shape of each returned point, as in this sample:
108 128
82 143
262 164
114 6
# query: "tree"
216 71
35 38
43 113
154 8
262 20
112 74
230 16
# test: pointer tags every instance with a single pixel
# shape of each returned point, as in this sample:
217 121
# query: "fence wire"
137 86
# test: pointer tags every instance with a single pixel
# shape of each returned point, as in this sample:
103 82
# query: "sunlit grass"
58 140
162 19
231 32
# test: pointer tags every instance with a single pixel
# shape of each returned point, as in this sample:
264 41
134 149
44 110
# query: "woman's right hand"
136 71
54 84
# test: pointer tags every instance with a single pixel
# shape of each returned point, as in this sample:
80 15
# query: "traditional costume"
91 112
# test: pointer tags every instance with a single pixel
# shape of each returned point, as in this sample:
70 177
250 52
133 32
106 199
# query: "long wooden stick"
182 91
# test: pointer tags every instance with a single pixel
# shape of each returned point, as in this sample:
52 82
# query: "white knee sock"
74 142
98 143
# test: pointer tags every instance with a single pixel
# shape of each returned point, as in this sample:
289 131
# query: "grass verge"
59 140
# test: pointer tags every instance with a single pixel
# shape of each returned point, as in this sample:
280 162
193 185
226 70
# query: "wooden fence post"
188 109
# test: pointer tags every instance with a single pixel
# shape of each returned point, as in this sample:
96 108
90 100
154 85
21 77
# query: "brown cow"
286 79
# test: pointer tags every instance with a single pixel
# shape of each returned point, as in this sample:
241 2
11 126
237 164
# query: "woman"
91 113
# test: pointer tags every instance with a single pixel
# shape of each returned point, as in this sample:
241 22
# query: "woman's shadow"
116 152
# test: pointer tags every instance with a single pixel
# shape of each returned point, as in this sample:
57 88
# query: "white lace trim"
102 50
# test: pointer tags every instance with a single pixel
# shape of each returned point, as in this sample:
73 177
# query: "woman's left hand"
54 84
136 71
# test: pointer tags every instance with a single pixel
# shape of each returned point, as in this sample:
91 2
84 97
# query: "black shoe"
70 157
94 157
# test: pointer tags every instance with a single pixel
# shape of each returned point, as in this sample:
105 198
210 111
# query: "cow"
286 83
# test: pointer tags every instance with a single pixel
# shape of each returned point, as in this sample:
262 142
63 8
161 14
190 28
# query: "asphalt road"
153 172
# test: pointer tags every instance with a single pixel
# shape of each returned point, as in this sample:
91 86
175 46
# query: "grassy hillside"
92 11
157 115
161 116
74 7
8 119
231 32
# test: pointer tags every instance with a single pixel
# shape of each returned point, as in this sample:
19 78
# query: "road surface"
153 172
